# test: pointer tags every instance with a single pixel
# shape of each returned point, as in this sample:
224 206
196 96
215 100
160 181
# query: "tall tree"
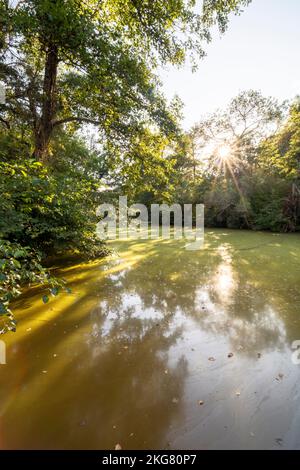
229 139
76 61
280 153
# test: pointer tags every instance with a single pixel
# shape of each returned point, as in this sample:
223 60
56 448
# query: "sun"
224 152
223 157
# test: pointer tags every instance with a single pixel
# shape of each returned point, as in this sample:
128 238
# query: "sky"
260 50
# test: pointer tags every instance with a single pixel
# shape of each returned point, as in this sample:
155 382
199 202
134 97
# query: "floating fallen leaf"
175 400
258 355
45 371
211 359
279 377
131 434
200 402
230 355
118 447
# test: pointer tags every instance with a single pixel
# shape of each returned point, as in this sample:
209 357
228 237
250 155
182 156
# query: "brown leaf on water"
230 354
211 358
200 402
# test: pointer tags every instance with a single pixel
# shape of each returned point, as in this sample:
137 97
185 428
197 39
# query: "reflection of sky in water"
211 308
130 303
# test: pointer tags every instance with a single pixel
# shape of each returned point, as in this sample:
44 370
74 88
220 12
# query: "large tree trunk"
45 126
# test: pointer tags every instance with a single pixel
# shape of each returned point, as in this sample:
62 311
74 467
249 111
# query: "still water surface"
159 347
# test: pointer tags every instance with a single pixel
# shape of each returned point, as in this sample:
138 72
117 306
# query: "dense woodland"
84 110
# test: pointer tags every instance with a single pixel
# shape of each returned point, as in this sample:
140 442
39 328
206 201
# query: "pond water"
159 347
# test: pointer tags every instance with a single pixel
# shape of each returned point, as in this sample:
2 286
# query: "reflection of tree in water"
137 387
132 383
113 383
215 290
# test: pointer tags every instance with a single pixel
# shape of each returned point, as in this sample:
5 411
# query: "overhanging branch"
58 122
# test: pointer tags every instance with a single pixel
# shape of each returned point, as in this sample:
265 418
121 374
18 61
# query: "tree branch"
58 122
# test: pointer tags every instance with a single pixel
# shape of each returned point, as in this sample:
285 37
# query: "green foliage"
225 207
19 265
271 203
48 211
280 154
143 169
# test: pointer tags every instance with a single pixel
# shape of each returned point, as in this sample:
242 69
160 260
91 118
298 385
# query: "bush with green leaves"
21 265
49 212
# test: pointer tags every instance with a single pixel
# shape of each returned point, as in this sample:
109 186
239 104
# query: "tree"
246 166
280 153
144 169
71 61
279 156
230 138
